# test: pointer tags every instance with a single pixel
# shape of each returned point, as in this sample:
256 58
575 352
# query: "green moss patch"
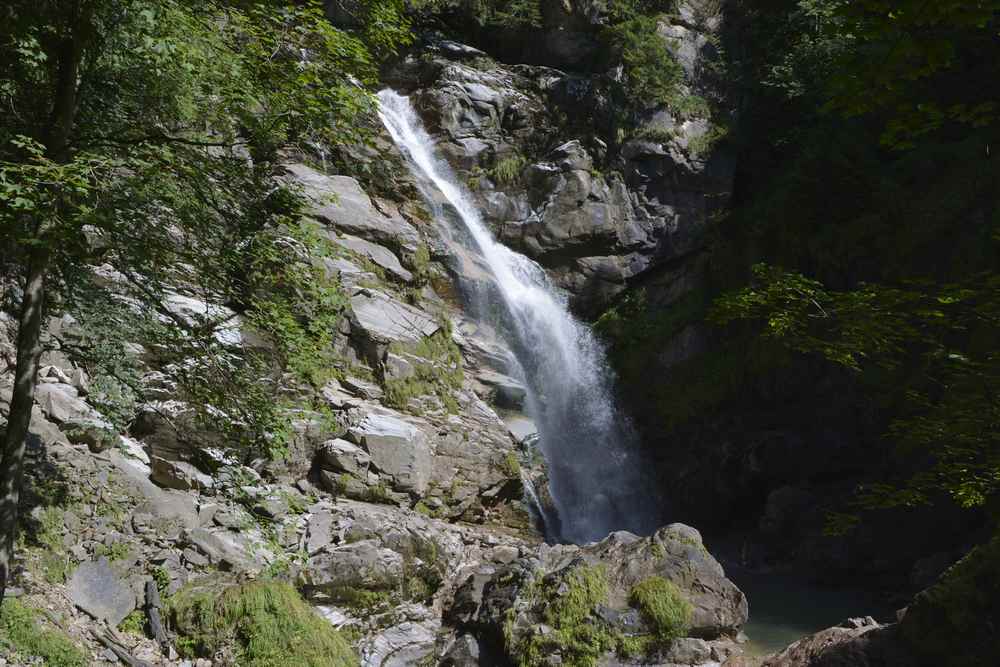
266 624
567 607
23 636
437 371
663 607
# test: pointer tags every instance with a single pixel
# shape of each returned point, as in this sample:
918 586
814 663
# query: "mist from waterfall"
596 475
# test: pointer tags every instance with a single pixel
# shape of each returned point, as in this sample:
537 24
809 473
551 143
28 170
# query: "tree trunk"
67 55
29 350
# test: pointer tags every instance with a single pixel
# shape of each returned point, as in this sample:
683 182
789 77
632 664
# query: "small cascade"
596 476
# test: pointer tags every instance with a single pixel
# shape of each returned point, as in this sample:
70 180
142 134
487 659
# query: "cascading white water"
595 476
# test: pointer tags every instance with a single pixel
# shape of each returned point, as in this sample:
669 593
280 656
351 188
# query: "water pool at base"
785 608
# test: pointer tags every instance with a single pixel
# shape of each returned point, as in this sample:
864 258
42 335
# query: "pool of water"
784 608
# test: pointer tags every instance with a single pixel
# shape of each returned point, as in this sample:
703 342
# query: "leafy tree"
146 134
868 192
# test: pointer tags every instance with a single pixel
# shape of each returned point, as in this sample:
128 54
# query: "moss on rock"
663 607
258 624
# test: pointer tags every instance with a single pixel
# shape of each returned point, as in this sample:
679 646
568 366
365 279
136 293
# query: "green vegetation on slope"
267 623
23 637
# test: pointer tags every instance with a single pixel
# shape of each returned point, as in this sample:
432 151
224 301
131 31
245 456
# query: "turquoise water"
784 608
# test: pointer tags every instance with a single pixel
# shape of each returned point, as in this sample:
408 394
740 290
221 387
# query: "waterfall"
596 476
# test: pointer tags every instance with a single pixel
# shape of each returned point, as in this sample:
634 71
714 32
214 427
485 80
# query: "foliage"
663 607
134 623
22 634
507 170
155 180
508 14
652 74
953 412
268 622
923 66
54 562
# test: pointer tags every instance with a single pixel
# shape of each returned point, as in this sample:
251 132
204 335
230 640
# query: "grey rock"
464 652
402 645
383 319
688 651
343 456
363 564
397 448
500 602
62 403
376 254
96 589
96 434
342 203
179 475
225 548
363 388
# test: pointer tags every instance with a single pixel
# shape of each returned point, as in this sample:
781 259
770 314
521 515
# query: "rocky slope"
399 510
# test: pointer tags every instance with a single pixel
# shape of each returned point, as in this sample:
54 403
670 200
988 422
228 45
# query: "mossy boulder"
625 598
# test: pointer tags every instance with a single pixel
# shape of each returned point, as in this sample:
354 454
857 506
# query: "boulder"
359 565
397 449
507 605
179 475
342 456
99 591
226 549
98 435
62 403
404 644
857 642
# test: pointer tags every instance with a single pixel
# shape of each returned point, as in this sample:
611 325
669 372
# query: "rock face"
595 216
510 609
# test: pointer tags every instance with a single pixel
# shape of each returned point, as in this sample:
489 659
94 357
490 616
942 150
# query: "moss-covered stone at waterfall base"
953 623
566 619
566 606
257 624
